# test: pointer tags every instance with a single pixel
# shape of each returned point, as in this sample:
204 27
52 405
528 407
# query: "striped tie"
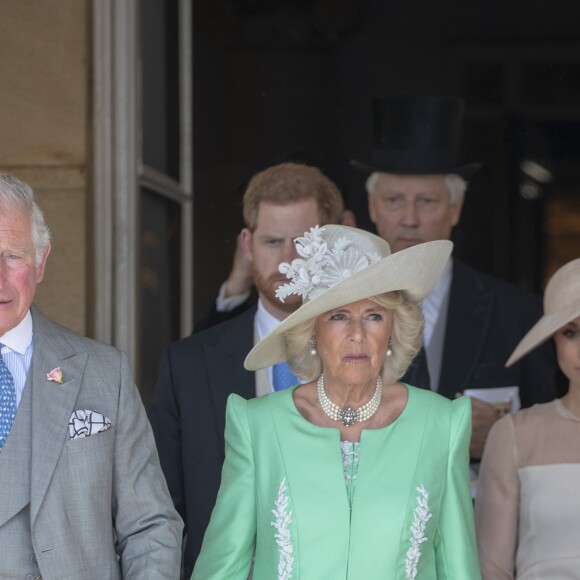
7 401
282 377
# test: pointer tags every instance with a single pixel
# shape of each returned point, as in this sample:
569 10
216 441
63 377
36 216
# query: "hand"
483 416
348 218
240 279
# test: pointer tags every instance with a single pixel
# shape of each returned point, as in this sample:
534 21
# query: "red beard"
267 289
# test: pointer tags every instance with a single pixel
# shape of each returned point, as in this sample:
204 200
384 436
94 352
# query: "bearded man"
198 373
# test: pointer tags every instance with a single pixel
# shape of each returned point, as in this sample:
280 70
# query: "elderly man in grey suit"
82 495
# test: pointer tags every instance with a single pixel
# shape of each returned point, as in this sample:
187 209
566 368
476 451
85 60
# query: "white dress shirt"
225 303
432 303
435 307
264 324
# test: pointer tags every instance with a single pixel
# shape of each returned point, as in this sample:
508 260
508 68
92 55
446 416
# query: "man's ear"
457 207
246 239
371 203
42 265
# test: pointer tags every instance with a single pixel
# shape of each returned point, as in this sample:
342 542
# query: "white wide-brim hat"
341 265
561 306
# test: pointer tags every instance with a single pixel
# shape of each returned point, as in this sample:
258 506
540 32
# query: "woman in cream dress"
527 508
352 475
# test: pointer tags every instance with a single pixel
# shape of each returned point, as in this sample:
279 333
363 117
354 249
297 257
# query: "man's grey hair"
454 183
16 194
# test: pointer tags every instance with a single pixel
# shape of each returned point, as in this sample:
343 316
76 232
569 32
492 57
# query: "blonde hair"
406 339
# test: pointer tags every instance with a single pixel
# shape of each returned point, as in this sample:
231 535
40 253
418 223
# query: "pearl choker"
348 416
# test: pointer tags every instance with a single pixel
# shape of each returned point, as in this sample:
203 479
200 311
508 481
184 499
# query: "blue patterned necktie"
7 401
282 377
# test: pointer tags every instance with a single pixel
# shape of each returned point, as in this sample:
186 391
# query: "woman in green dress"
351 475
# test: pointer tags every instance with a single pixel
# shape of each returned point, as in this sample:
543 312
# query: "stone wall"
45 64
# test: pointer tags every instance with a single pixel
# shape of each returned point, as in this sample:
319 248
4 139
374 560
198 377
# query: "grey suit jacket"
99 505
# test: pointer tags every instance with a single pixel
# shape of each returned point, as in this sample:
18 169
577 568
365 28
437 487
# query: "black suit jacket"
217 317
196 376
486 319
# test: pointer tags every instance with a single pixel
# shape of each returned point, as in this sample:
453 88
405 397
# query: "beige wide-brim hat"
561 306
414 270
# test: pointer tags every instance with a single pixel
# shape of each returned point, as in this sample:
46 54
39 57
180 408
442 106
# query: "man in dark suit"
416 184
198 373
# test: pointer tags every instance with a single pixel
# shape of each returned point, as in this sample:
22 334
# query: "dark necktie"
282 377
7 401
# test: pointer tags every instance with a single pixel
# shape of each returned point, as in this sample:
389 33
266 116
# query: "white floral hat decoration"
340 265
561 306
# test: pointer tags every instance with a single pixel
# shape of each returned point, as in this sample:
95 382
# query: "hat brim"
544 329
466 171
414 270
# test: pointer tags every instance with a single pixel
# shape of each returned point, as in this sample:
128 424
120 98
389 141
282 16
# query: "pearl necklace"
348 416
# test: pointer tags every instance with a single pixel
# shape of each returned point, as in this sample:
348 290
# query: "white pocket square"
84 423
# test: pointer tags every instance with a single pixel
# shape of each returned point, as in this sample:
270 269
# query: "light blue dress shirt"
17 353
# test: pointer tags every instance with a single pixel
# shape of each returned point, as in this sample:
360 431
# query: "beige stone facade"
45 126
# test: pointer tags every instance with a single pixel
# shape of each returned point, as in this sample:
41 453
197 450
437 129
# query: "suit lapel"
224 361
470 305
52 404
15 462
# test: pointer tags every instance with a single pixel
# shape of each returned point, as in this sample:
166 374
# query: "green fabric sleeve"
455 546
229 541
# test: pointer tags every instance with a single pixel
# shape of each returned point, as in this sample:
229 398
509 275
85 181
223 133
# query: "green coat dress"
283 497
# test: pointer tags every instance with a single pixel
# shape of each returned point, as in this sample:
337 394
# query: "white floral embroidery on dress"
420 518
283 536
350 458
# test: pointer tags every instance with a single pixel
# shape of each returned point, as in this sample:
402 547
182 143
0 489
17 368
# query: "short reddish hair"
290 182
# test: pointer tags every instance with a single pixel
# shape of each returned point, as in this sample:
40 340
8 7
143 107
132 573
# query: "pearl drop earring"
390 349
312 345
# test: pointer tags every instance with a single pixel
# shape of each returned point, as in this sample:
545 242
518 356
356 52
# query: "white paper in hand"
505 399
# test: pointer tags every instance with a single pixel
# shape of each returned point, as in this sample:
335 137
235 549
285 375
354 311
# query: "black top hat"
417 135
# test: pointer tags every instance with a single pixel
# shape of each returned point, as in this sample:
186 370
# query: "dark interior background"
280 78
